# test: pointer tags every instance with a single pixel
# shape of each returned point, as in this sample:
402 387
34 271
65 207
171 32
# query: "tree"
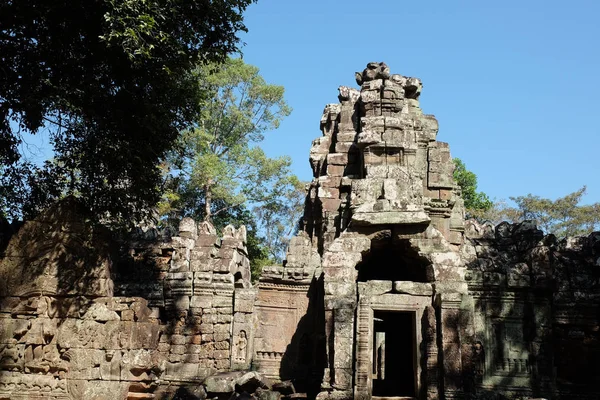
476 203
112 82
562 217
280 218
218 165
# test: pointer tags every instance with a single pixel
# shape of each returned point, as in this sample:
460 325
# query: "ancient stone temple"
386 291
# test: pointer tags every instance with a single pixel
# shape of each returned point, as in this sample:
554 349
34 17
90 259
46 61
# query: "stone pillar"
431 354
451 348
340 304
364 363
243 328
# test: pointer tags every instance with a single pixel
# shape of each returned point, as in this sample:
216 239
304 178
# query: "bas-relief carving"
240 347
276 326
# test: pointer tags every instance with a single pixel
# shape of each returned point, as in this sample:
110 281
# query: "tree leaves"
219 166
476 203
563 217
113 82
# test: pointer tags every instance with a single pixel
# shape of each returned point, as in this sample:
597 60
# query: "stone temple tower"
386 217
378 162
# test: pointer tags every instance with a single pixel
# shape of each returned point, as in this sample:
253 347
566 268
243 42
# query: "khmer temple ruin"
386 291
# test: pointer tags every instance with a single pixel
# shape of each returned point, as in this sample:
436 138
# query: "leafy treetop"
476 203
112 82
219 165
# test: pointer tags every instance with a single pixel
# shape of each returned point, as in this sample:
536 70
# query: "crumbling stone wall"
536 314
79 321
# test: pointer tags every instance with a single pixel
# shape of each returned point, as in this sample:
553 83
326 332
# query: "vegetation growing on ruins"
476 203
218 172
112 83
562 217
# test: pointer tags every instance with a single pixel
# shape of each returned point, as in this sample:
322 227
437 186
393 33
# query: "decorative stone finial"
229 231
187 228
241 233
206 228
374 70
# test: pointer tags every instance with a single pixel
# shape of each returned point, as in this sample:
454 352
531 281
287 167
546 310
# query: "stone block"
340 273
222 365
222 328
127 315
244 300
222 382
145 335
340 289
338 158
222 301
341 259
222 336
182 370
344 147
268 395
224 318
178 339
205 265
209 318
221 354
201 301
413 288
179 349
328 193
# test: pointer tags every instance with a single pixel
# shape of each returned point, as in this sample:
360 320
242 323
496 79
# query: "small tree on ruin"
218 165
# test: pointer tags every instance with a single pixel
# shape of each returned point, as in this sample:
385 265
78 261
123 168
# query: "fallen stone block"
250 382
222 382
284 387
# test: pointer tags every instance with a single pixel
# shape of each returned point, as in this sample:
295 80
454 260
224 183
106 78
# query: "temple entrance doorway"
394 354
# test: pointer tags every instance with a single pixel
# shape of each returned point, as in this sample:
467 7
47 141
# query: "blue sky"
515 85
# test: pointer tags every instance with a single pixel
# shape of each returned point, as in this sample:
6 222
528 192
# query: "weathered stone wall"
536 314
79 320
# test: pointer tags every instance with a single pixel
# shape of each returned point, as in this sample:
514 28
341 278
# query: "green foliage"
218 166
562 217
113 83
280 216
476 203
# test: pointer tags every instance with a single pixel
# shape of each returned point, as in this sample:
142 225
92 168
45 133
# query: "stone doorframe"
375 296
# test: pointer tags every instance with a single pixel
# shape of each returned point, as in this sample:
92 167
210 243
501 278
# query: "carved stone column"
431 354
452 360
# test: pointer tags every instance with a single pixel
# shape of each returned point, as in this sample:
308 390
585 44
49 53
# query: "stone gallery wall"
83 317
536 310
385 291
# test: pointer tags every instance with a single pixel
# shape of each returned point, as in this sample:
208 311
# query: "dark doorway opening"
391 259
394 354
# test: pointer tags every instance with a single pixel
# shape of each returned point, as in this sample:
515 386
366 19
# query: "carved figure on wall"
479 361
239 346
10 356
